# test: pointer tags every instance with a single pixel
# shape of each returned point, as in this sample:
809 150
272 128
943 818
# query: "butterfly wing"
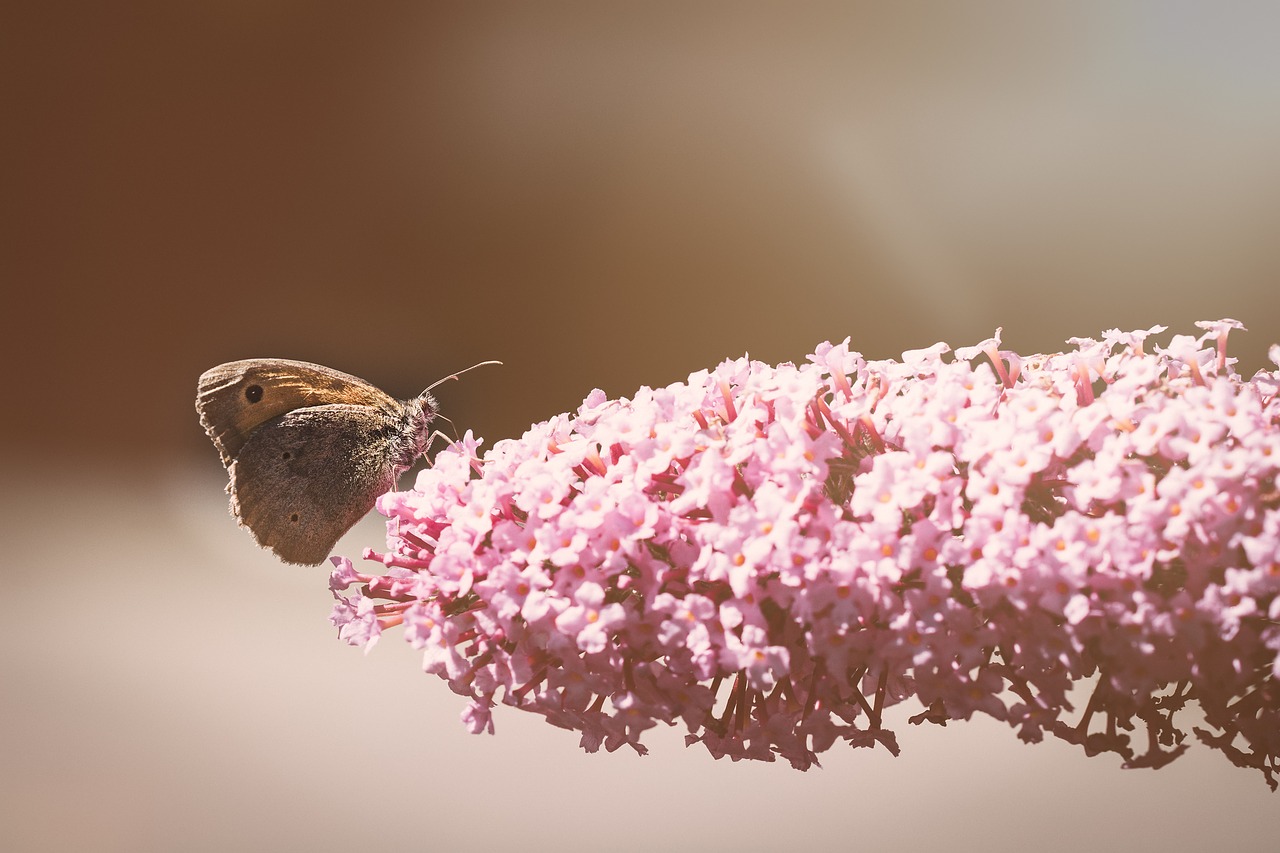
303 479
235 398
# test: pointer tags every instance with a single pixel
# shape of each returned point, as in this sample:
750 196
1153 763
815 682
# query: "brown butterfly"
309 449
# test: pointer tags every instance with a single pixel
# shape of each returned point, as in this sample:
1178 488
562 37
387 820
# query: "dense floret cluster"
774 555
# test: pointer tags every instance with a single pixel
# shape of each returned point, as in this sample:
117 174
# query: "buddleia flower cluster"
1080 544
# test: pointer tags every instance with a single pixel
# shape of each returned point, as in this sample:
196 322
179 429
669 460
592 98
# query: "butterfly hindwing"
301 480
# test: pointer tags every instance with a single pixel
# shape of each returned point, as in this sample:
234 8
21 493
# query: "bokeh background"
599 195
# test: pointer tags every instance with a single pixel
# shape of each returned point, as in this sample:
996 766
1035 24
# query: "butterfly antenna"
456 375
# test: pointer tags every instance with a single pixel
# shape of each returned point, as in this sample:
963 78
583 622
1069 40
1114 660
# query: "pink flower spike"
774 558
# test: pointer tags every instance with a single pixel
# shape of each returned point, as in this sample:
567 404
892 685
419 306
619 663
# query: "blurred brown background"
600 195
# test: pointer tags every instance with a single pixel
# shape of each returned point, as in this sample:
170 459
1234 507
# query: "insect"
308 448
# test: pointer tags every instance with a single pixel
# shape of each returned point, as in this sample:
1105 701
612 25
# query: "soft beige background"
599 195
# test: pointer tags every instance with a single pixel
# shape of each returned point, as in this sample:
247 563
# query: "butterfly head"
411 430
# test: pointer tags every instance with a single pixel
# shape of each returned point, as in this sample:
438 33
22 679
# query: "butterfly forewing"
235 398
